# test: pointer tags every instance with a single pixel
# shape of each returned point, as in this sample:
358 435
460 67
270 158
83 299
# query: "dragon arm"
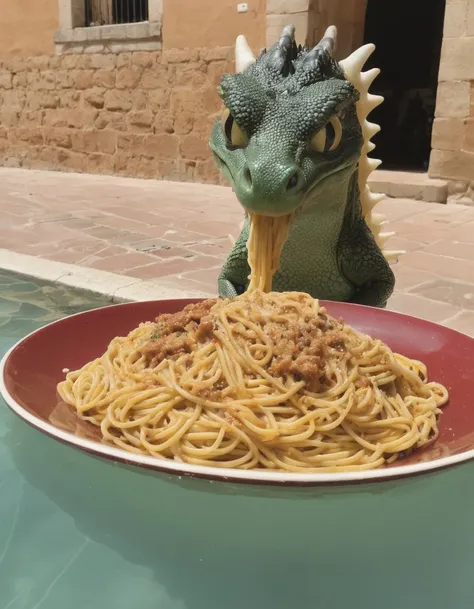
233 279
363 264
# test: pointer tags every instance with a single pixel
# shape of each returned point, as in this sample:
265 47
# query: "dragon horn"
328 41
287 37
243 54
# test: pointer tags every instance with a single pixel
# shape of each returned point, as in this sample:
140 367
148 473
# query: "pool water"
46 561
78 532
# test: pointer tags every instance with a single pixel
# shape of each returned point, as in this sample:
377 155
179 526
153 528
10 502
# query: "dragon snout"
270 189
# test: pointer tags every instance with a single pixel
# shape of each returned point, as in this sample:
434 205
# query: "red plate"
30 371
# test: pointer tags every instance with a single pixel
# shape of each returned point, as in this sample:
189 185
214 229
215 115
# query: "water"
83 533
46 562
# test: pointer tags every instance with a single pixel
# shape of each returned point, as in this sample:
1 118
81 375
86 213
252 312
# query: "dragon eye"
235 137
329 137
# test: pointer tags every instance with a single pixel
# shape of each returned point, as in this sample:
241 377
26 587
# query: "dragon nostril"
293 181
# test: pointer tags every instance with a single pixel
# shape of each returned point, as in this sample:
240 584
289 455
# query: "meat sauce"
300 346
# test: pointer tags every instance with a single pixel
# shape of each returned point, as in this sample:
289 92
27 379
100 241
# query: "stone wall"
143 114
452 156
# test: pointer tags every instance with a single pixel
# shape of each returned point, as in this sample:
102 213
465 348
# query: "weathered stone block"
58 137
217 54
455 19
73 161
118 100
128 78
447 133
97 141
106 61
194 148
70 99
104 78
143 59
95 97
5 79
65 79
140 99
20 80
457 59
183 124
112 120
180 55
9 118
154 78
140 121
163 123
50 100
14 99
83 79
162 146
159 99
452 164
99 163
469 137
41 80
470 19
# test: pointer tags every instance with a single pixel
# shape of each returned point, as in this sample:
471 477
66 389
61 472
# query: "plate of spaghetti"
267 387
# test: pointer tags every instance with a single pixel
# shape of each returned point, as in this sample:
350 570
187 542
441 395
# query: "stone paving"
182 232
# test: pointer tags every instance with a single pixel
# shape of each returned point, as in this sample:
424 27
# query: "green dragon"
295 138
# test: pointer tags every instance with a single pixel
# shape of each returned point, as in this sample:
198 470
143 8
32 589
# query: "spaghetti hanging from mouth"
265 380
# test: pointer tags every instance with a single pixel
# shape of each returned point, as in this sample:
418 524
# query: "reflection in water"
211 548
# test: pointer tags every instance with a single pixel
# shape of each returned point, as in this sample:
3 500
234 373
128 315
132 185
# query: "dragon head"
290 124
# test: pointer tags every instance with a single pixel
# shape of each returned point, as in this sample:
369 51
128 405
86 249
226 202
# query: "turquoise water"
46 562
81 533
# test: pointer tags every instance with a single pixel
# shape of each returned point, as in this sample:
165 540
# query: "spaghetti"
265 380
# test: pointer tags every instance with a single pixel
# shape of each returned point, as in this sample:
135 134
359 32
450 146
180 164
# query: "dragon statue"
294 137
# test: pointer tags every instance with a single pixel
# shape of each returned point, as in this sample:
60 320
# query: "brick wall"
144 114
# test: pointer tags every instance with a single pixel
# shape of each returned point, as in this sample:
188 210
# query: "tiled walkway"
150 229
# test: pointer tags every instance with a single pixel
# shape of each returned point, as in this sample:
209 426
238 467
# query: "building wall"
150 113
452 155
210 23
27 27
144 114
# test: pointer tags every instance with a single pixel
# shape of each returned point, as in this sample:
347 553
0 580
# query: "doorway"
408 36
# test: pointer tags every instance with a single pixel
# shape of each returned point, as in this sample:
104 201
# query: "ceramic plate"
30 371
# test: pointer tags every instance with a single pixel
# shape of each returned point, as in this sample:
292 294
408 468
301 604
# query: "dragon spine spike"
366 167
243 54
352 67
353 64
374 100
369 129
367 78
376 197
384 237
368 147
393 255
